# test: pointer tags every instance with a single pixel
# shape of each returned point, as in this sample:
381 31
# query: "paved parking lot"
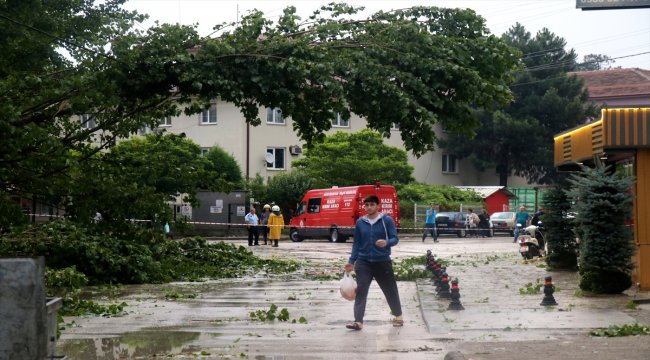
498 322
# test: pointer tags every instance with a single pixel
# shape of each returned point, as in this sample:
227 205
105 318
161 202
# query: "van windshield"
301 209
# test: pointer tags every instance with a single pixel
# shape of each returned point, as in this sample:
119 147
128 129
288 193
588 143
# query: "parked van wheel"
461 233
293 235
334 234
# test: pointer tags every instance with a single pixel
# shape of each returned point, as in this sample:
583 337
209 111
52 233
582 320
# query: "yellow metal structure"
625 132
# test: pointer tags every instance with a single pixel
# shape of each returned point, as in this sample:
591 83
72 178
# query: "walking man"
430 223
520 218
251 222
374 235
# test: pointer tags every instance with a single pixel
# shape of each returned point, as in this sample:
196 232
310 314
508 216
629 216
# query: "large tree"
136 179
347 159
518 139
75 75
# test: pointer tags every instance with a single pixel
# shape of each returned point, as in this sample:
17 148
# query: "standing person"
252 221
520 218
374 235
537 216
266 212
470 222
275 224
430 223
484 223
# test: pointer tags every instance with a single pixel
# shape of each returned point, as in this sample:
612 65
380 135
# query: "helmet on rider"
275 208
267 206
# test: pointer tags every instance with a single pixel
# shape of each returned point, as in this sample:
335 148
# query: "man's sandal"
354 326
398 323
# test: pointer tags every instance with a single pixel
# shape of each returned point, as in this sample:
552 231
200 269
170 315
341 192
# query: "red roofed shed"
497 198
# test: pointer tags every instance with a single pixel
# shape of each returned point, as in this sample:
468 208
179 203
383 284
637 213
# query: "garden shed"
497 198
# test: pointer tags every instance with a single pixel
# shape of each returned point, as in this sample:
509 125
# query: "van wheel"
334 235
293 235
461 233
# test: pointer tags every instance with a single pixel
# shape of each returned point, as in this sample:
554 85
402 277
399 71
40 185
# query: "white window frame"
274 116
205 150
165 122
448 159
209 116
394 127
338 121
87 121
274 151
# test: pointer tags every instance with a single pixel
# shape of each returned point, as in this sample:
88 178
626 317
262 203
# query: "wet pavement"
210 320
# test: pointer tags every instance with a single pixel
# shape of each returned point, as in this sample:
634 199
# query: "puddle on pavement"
131 345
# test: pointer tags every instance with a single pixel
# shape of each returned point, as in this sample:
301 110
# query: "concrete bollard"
455 297
549 289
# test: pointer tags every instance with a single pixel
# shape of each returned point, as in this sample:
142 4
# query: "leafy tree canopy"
594 62
448 197
224 165
518 139
347 159
137 177
287 189
62 59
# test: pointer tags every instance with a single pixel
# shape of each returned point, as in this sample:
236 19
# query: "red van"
332 213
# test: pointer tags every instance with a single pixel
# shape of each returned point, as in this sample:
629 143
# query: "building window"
449 163
87 121
205 150
394 126
209 116
277 155
167 121
340 122
274 116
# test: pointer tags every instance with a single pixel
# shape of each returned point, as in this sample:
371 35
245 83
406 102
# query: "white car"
503 222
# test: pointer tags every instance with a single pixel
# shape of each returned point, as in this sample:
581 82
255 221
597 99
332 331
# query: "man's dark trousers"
253 232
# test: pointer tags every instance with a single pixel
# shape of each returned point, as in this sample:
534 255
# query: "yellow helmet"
267 206
275 208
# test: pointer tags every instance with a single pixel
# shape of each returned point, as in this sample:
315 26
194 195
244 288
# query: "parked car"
503 222
451 223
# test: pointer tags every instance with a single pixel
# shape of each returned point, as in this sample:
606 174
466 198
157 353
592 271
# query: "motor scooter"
531 242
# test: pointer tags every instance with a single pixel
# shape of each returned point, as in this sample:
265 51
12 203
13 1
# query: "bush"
448 197
605 282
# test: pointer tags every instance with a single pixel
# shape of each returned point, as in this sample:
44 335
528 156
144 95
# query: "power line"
569 62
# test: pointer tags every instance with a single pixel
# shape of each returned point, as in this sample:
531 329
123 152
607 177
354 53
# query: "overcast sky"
617 33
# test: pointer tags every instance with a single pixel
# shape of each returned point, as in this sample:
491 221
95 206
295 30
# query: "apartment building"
270 148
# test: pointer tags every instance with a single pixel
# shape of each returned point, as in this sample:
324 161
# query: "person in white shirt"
252 222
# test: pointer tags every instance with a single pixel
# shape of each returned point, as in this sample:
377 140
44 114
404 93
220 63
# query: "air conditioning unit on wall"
295 150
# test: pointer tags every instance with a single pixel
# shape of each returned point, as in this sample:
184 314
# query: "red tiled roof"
616 82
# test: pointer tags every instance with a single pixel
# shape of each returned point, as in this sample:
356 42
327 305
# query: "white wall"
230 134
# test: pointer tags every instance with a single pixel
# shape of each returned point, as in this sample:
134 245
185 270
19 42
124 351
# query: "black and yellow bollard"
549 289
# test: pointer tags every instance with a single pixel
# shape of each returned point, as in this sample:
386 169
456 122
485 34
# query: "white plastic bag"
348 287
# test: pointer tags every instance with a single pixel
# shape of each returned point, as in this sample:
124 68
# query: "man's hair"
371 199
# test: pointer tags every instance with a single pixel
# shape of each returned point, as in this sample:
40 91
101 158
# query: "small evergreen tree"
603 202
560 238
